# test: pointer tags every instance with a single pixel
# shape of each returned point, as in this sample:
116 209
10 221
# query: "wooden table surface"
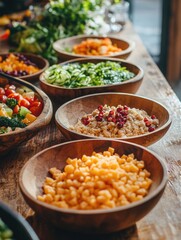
164 221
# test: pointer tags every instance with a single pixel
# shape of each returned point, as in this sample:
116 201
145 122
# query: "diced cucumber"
23 111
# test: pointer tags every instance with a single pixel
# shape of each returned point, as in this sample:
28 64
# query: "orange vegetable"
95 47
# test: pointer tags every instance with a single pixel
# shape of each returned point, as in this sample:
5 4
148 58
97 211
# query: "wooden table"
164 221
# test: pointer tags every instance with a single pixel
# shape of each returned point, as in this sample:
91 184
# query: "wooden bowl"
36 170
40 62
63 94
15 222
14 138
61 45
68 114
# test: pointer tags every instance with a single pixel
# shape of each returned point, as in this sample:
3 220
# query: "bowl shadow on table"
48 230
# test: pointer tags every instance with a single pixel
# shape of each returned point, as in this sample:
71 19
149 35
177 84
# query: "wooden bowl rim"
131 45
45 61
15 216
136 78
166 124
96 211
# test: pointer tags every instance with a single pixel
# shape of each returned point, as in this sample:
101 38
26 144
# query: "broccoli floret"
11 102
10 122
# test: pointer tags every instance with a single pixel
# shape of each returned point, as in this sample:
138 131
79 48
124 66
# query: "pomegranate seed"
111 112
147 123
98 118
153 117
85 120
120 125
109 119
151 129
113 120
125 108
145 119
101 114
119 109
100 108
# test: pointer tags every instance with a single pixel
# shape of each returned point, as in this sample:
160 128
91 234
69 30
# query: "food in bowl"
75 75
18 65
19 107
100 181
96 47
5 231
116 122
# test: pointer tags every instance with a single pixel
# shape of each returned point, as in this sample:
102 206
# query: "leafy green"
87 74
11 102
58 19
11 122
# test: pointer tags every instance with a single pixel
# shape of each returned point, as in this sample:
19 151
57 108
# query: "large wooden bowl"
36 170
14 138
17 224
40 62
61 45
68 114
63 94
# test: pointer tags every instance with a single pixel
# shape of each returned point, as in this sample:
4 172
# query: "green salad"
5 232
77 75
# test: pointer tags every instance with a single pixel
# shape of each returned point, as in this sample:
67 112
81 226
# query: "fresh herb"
88 74
5 232
11 122
58 19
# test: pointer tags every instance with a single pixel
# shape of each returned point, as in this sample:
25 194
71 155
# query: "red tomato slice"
3 98
16 109
17 96
9 91
36 108
24 102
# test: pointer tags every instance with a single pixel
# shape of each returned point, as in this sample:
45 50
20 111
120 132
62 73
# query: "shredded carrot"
94 47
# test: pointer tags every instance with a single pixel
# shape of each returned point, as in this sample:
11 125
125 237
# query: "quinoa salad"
116 122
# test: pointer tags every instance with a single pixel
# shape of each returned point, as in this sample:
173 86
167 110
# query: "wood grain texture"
164 221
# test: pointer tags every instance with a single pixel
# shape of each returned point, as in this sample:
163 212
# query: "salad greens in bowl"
83 76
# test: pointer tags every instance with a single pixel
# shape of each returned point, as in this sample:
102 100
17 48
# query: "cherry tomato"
24 102
36 108
9 91
3 98
2 92
17 96
16 109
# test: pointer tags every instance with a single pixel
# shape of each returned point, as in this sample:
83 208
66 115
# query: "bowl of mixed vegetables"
13 226
24 110
26 66
93 46
79 77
